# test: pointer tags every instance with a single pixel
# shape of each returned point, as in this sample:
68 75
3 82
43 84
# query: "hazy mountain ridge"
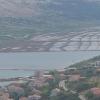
49 15
66 8
32 12
23 20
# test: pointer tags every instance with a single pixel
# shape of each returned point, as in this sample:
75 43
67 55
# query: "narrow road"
82 97
62 84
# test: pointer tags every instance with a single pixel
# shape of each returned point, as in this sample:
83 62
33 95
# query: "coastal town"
72 83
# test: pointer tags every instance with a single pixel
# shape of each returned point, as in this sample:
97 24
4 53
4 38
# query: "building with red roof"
95 91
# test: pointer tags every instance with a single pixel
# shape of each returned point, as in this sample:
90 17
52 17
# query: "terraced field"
89 39
49 25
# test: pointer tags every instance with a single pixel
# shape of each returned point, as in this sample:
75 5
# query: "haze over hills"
21 20
46 14
50 10
65 8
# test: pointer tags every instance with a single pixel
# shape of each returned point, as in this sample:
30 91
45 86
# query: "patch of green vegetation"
86 63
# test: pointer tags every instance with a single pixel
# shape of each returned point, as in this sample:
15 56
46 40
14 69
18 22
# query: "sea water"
39 60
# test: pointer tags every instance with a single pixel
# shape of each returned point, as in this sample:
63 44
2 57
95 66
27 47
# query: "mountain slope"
22 20
48 12
66 8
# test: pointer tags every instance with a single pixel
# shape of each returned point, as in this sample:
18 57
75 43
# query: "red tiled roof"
95 91
23 98
75 77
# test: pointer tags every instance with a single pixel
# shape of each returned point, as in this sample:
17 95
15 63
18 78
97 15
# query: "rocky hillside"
48 15
87 63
